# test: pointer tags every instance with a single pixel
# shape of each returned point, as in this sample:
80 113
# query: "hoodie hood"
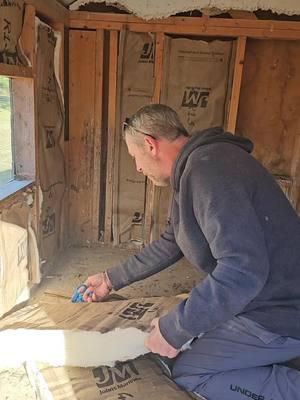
203 138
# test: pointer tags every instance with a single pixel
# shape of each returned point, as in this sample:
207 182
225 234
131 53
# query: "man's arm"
155 257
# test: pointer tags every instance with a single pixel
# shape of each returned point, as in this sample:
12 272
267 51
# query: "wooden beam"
262 29
16 71
151 188
158 69
112 108
186 21
64 225
236 84
27 38
118 144
36 219
82 86
240 14
97 133
51 10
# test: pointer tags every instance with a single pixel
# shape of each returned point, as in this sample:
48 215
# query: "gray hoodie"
229 218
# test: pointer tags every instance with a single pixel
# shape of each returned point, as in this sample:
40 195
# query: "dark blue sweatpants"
239 360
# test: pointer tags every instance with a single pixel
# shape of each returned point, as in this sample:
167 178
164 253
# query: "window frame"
23 76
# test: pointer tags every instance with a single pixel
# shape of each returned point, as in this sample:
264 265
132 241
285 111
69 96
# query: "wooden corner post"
112 108
236 84
97 133
151 189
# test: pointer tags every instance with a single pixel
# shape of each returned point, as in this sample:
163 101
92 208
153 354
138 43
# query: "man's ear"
151 145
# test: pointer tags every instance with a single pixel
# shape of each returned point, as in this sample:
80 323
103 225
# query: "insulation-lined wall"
50 120
135 89
198 79
27 55
183 72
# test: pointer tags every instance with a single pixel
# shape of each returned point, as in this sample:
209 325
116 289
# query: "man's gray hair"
156 120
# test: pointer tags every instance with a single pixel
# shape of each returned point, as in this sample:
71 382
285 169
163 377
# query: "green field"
6 172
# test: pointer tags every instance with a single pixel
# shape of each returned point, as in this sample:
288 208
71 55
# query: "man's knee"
189 377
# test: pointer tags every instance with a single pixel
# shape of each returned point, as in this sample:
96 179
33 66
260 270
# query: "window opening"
6 132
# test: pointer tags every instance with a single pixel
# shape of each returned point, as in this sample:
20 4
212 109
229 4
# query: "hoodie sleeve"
224 211
155 257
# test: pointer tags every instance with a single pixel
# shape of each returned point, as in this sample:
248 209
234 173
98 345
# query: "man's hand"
98 287
156 343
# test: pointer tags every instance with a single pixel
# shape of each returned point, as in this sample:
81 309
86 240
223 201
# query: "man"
229 218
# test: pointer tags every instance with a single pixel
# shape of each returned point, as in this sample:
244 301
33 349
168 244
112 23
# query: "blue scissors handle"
78 295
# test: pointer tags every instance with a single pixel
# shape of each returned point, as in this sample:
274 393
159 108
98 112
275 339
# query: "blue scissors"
78 294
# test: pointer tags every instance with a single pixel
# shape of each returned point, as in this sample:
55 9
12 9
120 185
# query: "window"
6 142
17 138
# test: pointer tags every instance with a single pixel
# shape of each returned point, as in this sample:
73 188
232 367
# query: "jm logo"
194 97
135 310
147 54
112 376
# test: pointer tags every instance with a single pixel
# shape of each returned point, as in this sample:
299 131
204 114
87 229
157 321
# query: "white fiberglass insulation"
162 9
70 348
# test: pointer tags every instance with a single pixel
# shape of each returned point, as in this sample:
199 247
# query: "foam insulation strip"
75 348
162 9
